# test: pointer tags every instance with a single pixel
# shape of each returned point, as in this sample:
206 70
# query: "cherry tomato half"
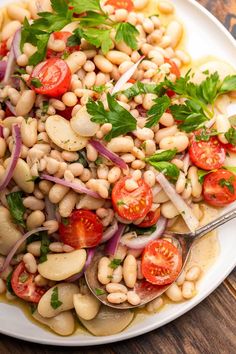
230 147
161 262
54 75
3 48
219 188
151 218
208 155
121 4
84 229
23 285
63 36
132 205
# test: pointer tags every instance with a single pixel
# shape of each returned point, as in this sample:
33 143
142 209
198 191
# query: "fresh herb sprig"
16 207
160 161
94 26
55 302
122 121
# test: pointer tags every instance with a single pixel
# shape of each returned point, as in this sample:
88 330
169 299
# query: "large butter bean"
75 61
86 306
9 234
120 144
22 176
63 265
62 324
61 133
81 123
25 103
66 291
175 31
116 57
28 130
130 271
108 321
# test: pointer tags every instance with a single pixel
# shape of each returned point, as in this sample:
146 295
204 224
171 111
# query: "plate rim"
149 327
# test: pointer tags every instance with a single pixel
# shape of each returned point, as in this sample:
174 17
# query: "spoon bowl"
145 290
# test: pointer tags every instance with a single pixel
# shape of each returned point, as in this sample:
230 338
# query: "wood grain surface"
210 328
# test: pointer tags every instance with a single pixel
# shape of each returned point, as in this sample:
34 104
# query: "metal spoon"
146 291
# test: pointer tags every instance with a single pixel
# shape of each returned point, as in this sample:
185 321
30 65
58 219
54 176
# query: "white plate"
206 36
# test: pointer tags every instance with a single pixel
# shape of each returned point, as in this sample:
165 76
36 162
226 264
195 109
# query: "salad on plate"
109 137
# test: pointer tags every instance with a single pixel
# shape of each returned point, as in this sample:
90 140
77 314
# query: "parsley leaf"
115 263
208 88
157 110
142 230
205 135
16 207
128 34
202 174
167 168
139 88
85 5
44 249
55 302
99 89
230 168
122 121
231 136
227 183
228 84
36 82
99 38
75 39
93 19
99 291
166 155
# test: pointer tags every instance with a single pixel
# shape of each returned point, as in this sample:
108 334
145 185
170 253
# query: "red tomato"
132 205
174 68
219 188
83 230
208 155
121 4
3 49
23 285
67 113
63 36
230 147
161 262
151 218
54 74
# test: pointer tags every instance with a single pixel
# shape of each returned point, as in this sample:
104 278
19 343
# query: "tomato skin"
83 230
63 36
214 193
67 113
174 68
26 290
132 205
3 48
151 218
208 155
230 147
161 262
121 4
54 75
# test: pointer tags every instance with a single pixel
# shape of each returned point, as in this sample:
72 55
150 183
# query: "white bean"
193 273
25 103
9 29
117 274
116 288
174 293
133 298
116 57
75 61
67 204
140 4
155 305
188 290
30 263
168 210
103 64
180 184
175 31
130 271
17 13
104 271
2 287
57 193
62 324
196 185
222 125
165 132
179 142
165 7
34 248
116 298
35 219
121 145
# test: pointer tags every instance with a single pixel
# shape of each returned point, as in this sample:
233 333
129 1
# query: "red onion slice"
141 241
11 108
126 76
50 210
90 255
110 232
186 163
108 154
3 67
18 244
10 66
184 210
71 185
112 244
16 43
14 157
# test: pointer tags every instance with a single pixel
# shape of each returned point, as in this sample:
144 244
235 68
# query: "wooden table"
210 328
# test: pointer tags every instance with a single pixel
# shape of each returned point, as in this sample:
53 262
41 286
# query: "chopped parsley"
231 136
55 302
115 263
227 183
99 291
16 207
44 249
36 82
160 161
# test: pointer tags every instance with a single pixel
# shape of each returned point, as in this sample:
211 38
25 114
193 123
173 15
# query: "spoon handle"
215 223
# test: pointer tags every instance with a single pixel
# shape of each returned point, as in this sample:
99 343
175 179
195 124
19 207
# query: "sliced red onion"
140 242
50 210
126 76
185 211
18 244
90 255
10 66
16 43
108 154
14 157
1 131
11 108
110 232
3 67
112 244
71 185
